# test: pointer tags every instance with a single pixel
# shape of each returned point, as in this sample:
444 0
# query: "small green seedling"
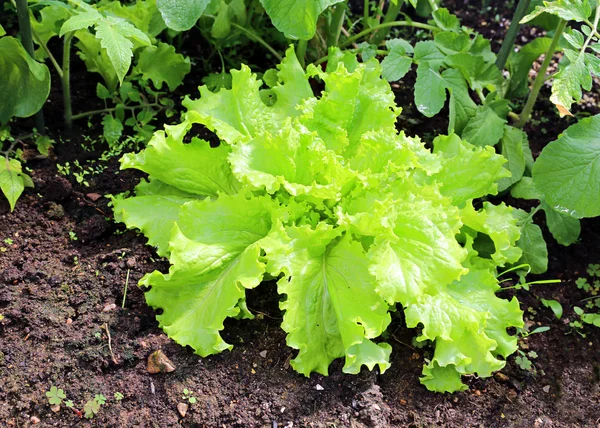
8 241
118 396
594 270
92 407
188 395
524 360
73 236
55 395
555 306
583 284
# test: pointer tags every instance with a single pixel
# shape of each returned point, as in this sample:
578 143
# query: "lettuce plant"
352 218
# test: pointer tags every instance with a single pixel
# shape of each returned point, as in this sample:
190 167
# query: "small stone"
69 321
477 392
501 377
93 196
56 408
263 354
130 262
376 407
403 402
34 420
282 409
109 307
546 388
319 387
159 363
182 408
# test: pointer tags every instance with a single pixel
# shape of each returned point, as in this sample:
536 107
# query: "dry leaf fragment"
159 363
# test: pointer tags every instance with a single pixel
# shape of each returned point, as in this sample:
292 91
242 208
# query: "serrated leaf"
80 21
114 35
162 64
395 66
567 172
297 19
95 58
569 10
181 15
25 84
566 88
112 129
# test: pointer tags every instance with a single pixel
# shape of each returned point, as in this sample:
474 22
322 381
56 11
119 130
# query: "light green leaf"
80 21
511 147
114 35
331 308
532 243
195 167
486 128
428 52
500 223
461 106
525 189
567 172
2 31
297 19
181 15
294 87
222 25
445 20
568 82
395 66
161 63
468 172
95 58
12 182
564 228
215 256
51 19
555 306
25 84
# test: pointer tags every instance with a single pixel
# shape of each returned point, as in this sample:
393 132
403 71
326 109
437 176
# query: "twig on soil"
125 291
401 342
264 314
105 325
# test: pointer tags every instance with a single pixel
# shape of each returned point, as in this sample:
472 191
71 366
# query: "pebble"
34 420
546 388
403 402
109 307
55 409
182 408
319 387
159 363
263 354
69 321
501 377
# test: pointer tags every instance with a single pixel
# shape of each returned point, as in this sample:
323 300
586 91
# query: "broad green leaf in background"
519 64
96 60
162 64
430 90
51 19
112 129
297 19
569 80
511 147
181 15
564 228
535 251
25 83
486 128
567 172
396 64
2 31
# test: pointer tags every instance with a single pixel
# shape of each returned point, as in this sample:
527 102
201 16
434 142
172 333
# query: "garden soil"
65 321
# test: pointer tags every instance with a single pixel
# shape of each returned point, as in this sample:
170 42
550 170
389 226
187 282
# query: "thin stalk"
113 109
390 15
352 39
27 39
258 39
591 36
433 5
511 34
325 58
66 80
365 13
125 290
301 52
337 21
541 77
518 286
44 46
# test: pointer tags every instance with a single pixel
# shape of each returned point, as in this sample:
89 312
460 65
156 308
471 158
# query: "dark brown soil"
62 324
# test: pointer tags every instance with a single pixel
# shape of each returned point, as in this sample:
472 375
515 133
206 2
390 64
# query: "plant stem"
66 80
50 56
541 77
390 15
352 39
301 52
258 39
125 291
433 5
511 34
27 39
337 21
113 109
365 13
